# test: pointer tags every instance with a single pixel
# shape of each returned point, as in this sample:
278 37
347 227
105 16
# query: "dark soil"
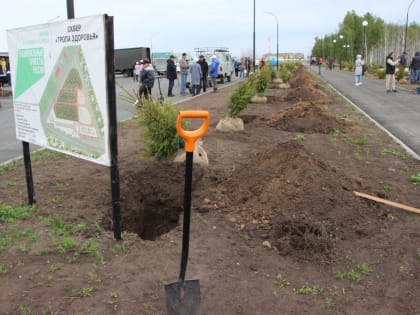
276 227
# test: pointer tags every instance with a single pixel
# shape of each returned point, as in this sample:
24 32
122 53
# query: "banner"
59 86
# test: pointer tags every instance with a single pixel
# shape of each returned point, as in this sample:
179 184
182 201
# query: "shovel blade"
183 299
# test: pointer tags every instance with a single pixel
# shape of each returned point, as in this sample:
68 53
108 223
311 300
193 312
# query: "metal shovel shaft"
187 216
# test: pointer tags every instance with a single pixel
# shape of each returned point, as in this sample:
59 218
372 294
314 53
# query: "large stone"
230 124
277 80
259 99
199 154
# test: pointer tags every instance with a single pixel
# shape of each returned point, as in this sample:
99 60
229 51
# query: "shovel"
183 296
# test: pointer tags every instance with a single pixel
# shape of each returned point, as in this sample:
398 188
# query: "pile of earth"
297 203
308 112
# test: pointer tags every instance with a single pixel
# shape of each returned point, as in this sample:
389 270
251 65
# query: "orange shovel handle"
191 137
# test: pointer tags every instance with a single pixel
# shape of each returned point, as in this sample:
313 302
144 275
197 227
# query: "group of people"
242 67
391 64
198 68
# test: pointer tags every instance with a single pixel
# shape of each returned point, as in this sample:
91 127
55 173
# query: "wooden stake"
387 202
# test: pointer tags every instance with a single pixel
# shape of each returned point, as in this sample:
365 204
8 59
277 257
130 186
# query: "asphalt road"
396 113
11 148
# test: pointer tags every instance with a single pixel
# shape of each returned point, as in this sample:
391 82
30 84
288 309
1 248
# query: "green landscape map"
70 114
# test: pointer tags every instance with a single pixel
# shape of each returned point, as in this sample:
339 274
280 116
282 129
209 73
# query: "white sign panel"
59 86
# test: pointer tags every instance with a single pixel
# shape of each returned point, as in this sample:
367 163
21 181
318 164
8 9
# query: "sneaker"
394 90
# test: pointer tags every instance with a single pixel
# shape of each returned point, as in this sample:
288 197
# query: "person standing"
205 70
320 61
137 70
236 66
390 72
242 68
171 74
330 62
184 66
415 68
358 70
196 75
403 59
214 72
147 77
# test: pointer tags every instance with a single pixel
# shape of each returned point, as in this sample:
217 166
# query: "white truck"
222 53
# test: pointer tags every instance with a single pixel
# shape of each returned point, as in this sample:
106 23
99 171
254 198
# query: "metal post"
406 27
28 172
70 9
364 23
113 140
277 23
253 49
277 46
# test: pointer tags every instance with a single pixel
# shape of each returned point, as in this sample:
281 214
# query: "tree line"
375 40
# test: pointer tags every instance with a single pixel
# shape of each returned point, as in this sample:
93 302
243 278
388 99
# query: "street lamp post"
277 51
253 48
364 23
339 50
334 41
406 26
348 52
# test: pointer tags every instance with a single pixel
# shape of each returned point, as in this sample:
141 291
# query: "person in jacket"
196 76
242 68
415 68
147 77
183 64
205 70
403 59
358 70
390 72
236 67
171 74
214 71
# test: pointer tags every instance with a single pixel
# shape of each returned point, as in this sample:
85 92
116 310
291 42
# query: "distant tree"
381 38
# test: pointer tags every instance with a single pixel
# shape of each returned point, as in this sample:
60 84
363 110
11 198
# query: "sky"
182 25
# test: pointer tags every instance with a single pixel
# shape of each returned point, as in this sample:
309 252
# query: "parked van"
222 53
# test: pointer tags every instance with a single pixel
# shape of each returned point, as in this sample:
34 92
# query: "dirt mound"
306 88
306 117
307 93
296 201
301 77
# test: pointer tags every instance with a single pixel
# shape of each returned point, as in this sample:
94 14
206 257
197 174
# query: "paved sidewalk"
396 113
